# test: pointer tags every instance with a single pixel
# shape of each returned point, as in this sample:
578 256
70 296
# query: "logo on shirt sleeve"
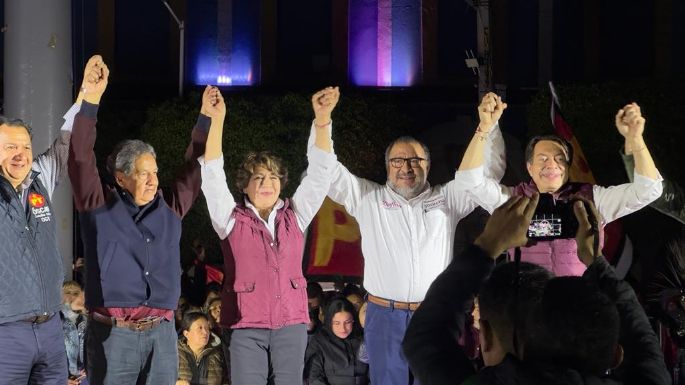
40 211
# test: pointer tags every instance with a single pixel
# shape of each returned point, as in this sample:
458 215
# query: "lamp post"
181 46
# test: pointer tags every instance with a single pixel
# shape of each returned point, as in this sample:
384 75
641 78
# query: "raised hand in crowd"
588 229
508 225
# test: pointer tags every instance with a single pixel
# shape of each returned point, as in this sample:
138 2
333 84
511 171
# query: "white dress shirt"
407 243
612 202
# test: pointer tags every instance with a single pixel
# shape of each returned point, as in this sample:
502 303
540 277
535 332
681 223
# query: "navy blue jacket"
132 254
31 271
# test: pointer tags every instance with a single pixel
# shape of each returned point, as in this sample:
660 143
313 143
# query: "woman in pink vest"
264 299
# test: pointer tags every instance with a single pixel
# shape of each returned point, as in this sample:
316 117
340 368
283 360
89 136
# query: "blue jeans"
122 356
384 330
33 353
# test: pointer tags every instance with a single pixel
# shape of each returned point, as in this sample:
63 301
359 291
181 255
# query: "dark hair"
314 290
16 123
260 159
504 306
351 288
340 304
190 317
530 147
576 325
406 140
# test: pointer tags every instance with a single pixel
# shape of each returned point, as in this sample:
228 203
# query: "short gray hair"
125 153
406 140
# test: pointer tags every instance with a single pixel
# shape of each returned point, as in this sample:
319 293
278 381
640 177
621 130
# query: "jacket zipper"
34 248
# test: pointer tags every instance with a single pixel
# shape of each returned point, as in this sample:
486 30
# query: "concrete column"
38 87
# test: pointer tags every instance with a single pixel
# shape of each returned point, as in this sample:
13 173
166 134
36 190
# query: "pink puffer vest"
263 283
558 256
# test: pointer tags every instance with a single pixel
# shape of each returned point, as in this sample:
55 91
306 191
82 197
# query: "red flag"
580 170
214 274
335 243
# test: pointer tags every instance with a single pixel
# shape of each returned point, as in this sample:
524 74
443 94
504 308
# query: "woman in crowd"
199 361
214 313
264 298
333 353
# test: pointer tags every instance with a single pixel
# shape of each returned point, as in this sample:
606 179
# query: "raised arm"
484 161
220 202
83 172
489 112
616 201
631 125
214 106
186 186
312 190
52 164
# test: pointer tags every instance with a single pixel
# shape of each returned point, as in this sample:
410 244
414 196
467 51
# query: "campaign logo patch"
36 200
38 207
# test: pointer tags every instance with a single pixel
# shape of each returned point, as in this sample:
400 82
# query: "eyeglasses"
399 162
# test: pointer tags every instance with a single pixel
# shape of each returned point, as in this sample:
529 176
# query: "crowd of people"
553 311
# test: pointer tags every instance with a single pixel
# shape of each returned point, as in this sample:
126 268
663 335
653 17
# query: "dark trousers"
118 356
33 353
253 351
384 330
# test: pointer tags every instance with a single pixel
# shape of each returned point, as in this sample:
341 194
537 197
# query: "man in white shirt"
548 159
407 229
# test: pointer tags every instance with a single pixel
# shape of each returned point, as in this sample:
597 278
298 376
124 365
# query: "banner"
334 243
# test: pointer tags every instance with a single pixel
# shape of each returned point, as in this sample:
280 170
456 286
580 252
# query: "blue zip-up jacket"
31 269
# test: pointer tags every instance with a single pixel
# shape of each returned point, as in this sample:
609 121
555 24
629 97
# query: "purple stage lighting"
385 42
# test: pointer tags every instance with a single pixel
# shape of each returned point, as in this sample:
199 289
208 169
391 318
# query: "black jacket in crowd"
431 348
330 360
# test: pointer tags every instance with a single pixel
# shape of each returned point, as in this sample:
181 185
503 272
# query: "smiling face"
408 181
263 188
342 324
142 183
16 154
548 166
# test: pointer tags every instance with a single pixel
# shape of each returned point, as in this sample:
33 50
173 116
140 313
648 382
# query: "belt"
39 319
393 304
138 326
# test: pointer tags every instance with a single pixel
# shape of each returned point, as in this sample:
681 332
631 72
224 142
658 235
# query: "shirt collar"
279 204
